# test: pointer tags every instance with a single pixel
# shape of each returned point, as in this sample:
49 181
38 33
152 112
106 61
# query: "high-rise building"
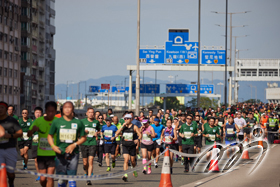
37 53
10 47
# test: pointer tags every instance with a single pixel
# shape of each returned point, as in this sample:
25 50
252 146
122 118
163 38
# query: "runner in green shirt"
118 139
11 110
210 133
24 143
166 116
100 143
188 131
45 154
67 129
88 148
38 112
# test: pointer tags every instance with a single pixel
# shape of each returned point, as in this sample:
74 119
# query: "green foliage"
252 101
171 102
204 102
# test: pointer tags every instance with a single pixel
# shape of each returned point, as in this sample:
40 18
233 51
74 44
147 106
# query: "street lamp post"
67 89
137 103
198 72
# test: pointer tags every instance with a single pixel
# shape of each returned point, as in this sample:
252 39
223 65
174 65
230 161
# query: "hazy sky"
95 38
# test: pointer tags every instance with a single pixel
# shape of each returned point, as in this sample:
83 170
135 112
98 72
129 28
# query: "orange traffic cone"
245 154
3 176
165 179
260 144
214 160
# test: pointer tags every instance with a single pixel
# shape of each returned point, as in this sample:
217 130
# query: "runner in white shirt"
241 123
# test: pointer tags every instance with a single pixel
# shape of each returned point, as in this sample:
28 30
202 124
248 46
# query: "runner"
241 123
118 139
263 122
24 143
45 154
11 111
188 131
100 142
129 133
108 135
164 120
38 112
147 144
175 125
67 129
8 141
157 144
221 123
88 148
110 112
139 125
251 122
169 136
210 133
231 130
181 122
272 127
198 138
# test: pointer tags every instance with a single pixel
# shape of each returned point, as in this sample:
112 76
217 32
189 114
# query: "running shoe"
149 170
186 171
135 174
124 178
89 183
144 171
108 169
38 179
156 166
171 171
138 156
176 159
24 167
100 164
182 161
113 164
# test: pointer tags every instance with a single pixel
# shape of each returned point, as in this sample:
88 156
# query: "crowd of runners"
57 138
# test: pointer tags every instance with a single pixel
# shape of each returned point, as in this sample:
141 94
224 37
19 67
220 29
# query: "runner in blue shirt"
157 144
108 135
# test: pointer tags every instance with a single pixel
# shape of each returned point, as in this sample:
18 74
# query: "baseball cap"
108 119
176 118
156 119
145 121
128 116
112 115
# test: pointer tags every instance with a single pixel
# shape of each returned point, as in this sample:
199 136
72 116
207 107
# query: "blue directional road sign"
177 88
151 56
147 88
182 52
204 88
119 89
213 57
178 35
97 89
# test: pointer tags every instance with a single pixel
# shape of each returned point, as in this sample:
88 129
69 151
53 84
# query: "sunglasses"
189 118
24 113
100 118
126 118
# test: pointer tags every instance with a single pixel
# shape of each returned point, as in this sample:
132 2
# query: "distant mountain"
118 80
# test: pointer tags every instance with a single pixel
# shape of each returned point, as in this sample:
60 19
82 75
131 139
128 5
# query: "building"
37 53
272 93
10 38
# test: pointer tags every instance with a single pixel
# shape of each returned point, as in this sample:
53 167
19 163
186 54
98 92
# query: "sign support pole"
138 64
225 96
198 73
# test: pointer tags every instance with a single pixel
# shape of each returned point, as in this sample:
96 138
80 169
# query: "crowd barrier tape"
82 177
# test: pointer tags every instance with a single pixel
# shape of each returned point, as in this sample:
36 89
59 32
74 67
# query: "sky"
96 38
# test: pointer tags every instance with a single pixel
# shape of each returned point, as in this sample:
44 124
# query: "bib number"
91 132
35 138
67 135
158 141
3 140
199 133
146 137
272 124
212 137
220 123
230 131
187 134
108 133
167 139
251 124
25 137
128 136
44 144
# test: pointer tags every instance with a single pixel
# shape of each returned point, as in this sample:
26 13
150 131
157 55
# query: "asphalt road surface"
267 173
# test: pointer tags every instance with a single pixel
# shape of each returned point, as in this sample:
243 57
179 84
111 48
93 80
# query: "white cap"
112 115
127 116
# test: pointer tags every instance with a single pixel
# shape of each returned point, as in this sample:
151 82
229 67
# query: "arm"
120 129
153 135
32 129
54 147
138 132
237 129
175 135
72 146
161 136
2 131
18 134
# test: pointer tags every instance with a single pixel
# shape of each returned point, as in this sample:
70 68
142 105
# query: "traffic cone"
214 160
260 144
3 176
245 154
165 179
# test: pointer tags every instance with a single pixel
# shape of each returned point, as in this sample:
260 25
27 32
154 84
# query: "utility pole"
137 103
230 56
235 71
198 72
67 89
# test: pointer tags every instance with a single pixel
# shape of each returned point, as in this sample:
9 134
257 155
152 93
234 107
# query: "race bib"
251 124
91 132
187 134
67 135
199 133
212 137
146 137
25 137
158 141
44 144
220 123
128 136
3 140
35 138
229 130
28 123
167 139
240 126
272 124
108 133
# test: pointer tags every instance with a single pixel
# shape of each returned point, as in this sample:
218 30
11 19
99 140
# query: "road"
267 174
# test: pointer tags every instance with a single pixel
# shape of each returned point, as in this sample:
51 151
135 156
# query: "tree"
252 101
205 102
171 102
